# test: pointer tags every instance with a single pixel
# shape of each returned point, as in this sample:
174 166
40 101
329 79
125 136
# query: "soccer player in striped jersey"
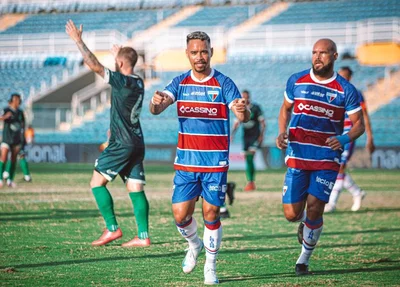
204 97
315 103
125 153
344 180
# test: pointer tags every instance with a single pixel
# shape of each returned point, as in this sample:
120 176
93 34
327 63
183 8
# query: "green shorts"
123 160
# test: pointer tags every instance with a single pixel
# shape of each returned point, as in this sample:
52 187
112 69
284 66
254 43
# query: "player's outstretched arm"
76 35
5 116
283 121
239 108
370 146
236 125
159 102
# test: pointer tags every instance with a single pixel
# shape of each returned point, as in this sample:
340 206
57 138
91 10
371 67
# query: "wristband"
343 139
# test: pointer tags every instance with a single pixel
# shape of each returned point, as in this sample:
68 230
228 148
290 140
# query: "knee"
211 213
181 218
134 186
292 216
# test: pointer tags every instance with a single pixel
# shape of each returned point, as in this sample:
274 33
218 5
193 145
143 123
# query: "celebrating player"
125 152
319 98
204 97
13 130
253 136
344 179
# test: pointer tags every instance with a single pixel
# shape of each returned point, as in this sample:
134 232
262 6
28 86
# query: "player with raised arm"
344 180
13 130
253 137
204 97
125 152
315 103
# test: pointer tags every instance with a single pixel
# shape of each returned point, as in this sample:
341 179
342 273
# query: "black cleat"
225 214
300 233
230 192
302 269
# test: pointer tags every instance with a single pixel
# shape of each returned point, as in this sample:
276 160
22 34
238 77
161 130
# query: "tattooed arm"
76 35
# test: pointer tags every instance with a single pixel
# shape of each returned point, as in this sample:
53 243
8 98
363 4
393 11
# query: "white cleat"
329 208
190 260
6 175
11 184
357 200
210 275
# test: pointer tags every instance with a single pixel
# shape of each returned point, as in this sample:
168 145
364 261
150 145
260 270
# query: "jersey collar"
314 78
205 79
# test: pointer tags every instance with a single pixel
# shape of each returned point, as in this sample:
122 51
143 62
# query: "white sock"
189 231
310 239
351 186
212 240
303 217
337 189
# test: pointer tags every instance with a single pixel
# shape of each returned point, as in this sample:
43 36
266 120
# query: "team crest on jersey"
213 95
331 96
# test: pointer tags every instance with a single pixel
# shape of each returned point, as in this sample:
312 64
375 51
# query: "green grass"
47 227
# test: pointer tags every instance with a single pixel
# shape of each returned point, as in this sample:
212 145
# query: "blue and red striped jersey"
203 113
347 122
319 109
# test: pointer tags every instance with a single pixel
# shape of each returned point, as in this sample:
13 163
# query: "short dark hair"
348 70
246 92
13 95
198 35
129 54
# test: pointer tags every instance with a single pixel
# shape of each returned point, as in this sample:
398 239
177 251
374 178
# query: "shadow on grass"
292 235
314 273
170 255
62 214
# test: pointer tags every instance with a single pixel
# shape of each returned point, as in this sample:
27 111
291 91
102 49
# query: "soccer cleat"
357 200
225 214
230 192
11 184
137 242
300 232
250 186
329 208
302 269
210 275
6 175
27 178
107 237
190 260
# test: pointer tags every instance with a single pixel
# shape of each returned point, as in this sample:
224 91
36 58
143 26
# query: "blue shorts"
347 152
299 183
210 185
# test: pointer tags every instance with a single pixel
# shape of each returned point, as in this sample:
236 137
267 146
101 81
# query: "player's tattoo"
90 59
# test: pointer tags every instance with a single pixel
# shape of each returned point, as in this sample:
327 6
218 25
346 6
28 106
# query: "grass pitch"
46 228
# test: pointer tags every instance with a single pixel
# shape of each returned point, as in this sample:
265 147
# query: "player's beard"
325 71
202 69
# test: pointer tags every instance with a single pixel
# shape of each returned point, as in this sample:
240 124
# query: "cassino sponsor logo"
199 110
317 109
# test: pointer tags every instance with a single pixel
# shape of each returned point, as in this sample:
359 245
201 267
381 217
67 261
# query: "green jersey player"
13 131
125 152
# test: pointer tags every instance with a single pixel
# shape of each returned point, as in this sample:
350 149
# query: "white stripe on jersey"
319 117
314 84
202 150
310 144
293 128
208 135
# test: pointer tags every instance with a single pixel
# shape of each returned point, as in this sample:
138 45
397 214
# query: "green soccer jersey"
126 104
13 129
252 127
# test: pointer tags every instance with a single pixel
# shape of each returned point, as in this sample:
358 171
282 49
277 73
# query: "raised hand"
74 33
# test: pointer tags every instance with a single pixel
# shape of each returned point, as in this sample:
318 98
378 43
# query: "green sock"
141 211
24 166
250 167
8 167
11 172
106 206
1 169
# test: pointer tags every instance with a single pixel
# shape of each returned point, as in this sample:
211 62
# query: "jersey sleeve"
289 96
172 88
352 100
260 114
118 80
230 92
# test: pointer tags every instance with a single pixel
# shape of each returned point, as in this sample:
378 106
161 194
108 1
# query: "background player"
13 130
253 137
319 98
344 179
204 97
125 152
